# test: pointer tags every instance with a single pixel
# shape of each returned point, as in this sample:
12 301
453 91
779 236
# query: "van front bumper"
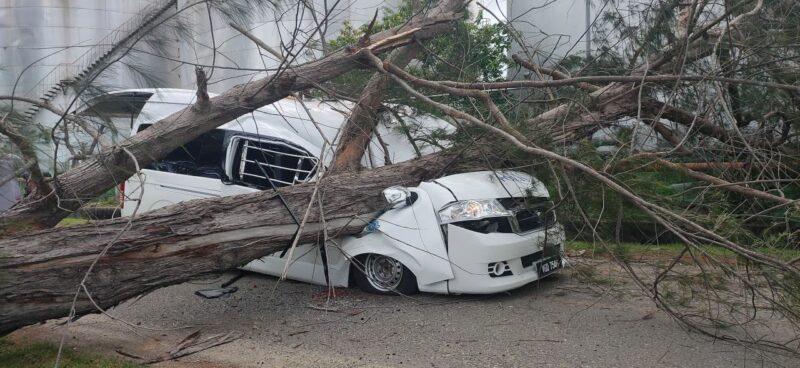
473 254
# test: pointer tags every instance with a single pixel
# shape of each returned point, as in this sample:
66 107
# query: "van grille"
537 213
530 259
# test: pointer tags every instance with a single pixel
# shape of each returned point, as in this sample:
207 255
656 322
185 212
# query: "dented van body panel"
478 232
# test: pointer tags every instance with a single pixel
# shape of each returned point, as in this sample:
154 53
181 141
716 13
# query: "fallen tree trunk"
357 132
114 165
39 272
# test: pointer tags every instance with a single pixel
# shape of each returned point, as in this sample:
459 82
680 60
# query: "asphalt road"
559 322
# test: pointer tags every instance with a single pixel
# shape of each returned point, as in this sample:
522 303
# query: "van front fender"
427 268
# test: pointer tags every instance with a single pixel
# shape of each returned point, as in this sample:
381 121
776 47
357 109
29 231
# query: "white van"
479 232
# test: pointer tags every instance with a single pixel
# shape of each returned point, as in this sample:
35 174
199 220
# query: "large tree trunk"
116 164
40 272
365 116
357 131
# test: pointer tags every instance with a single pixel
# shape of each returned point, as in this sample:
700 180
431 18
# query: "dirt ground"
562 321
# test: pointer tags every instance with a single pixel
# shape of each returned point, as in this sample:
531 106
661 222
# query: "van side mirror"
398 196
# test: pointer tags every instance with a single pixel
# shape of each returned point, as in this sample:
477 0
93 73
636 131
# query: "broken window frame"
236 169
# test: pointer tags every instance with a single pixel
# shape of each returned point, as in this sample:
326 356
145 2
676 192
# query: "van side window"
204 157
257 160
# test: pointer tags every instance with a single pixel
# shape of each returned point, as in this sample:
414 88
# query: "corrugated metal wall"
42 35
552 29
46 36
272 27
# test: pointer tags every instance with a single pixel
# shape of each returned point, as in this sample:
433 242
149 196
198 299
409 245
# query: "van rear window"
257 160
204 156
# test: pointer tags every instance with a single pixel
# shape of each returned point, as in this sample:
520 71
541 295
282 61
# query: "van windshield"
257 162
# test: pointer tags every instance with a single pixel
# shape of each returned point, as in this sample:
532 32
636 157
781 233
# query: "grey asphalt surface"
558 322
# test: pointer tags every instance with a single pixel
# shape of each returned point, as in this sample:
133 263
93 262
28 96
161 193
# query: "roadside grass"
633 250
40 354
71 221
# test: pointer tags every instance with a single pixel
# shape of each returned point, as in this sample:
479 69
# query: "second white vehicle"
478 232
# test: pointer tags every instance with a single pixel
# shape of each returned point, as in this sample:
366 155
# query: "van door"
162 189
252 162
193 171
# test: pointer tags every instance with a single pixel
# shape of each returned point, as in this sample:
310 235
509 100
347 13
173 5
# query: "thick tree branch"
364 117
177 243
112 166
585 82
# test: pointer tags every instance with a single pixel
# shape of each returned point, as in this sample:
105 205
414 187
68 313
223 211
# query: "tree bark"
116 164
365 116
609 104
357 132
25 148
40 272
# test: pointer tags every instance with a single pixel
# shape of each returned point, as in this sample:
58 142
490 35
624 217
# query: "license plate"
548 266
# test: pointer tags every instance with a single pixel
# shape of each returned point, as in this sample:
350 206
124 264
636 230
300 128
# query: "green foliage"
72 221
725 212
38 354
474 51
350 35
477 51
669 250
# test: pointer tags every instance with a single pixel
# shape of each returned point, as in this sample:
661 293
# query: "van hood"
492 184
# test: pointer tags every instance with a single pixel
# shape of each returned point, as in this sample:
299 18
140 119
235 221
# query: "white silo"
48 45
291 24
552 29
43 41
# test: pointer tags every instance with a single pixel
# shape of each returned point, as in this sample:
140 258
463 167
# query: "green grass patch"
40 354
629 250
72 221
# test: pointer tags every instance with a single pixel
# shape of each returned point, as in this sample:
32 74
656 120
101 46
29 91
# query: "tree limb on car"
357 132
113 165
41 270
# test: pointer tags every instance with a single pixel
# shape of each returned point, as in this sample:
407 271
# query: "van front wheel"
379 274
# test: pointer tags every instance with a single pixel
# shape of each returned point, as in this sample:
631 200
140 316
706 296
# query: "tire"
379 274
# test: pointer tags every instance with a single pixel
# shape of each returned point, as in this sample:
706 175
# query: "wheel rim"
383 273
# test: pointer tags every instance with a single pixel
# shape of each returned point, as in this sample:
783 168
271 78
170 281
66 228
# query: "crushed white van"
478 232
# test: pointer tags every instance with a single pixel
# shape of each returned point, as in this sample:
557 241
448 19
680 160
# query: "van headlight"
473 209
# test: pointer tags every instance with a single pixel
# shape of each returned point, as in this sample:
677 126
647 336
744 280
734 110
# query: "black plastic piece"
216 293
412 198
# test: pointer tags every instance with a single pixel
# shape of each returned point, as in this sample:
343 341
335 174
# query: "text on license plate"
549 265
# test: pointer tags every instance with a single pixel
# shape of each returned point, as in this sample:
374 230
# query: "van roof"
308 123
167 94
